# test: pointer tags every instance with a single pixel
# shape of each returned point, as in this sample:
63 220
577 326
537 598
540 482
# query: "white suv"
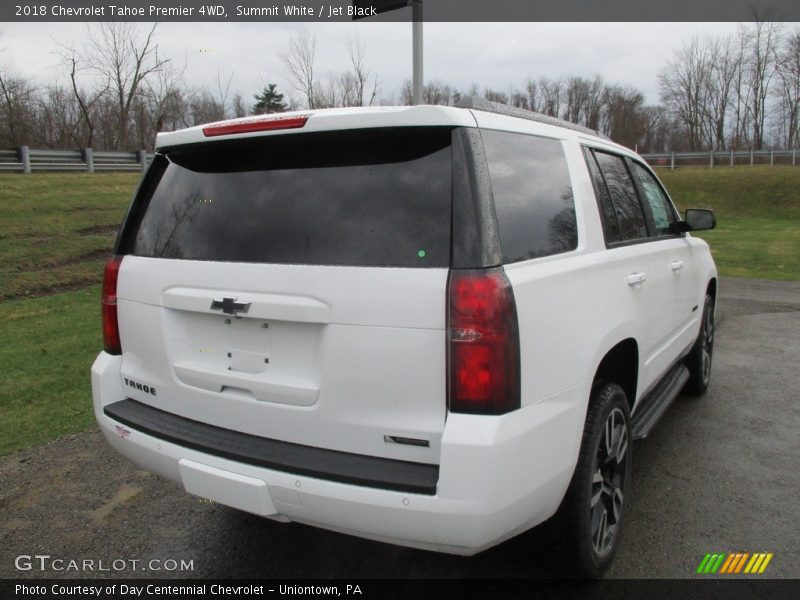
431 326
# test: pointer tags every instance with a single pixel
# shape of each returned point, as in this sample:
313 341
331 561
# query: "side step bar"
656 403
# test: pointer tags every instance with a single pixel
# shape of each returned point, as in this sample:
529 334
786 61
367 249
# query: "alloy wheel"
608 482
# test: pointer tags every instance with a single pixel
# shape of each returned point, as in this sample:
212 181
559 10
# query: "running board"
656 403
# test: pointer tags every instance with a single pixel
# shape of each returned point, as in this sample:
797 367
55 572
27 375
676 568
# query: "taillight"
483 342
252 124
111 343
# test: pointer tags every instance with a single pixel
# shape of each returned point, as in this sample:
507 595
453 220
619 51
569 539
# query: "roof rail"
478 103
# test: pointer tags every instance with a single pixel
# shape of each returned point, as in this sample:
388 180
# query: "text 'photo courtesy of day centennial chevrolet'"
431 326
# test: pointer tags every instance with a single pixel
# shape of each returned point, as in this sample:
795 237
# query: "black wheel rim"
609 475
708 341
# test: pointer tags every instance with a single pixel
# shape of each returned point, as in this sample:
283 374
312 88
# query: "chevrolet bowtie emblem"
230 306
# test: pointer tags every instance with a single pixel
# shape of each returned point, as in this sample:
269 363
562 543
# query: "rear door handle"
677 265
636 279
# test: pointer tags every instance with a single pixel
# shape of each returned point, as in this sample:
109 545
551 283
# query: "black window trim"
589 151
588 155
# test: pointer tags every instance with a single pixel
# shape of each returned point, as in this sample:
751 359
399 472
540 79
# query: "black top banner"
368 8
434 10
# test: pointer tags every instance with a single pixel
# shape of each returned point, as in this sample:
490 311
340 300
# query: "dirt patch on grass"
99 230
55 276
50 289
98 255
30 237
93 256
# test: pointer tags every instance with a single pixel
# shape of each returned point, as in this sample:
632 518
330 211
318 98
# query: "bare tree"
495 96
14 93
342 90
623 118
239 108
789 90
721 54
86 99
58 119
165 97
761 63
224 81
407 93
519 99
533 95
594 103
298 57
697 86
550 91
16 115
359 79
576 92
740 135
326 94
437 92
683 84
204 107
434 92
120 54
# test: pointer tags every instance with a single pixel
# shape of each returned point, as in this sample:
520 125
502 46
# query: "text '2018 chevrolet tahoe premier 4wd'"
431 326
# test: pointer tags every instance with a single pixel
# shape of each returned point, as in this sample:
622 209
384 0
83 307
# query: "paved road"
717 474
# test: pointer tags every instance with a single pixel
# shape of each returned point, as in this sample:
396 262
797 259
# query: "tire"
590 517
700 356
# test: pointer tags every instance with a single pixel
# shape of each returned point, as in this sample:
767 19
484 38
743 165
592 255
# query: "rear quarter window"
367 198
532 195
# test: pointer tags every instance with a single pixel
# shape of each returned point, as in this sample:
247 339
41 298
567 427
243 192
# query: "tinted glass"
532 195
370 198
608 214
629 213
660 206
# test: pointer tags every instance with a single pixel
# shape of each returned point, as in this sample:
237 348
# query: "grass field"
758 216
57 229
47 346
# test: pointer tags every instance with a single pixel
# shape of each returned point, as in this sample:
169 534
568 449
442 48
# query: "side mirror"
699 219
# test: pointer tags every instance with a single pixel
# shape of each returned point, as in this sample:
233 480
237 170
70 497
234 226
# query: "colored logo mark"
734 563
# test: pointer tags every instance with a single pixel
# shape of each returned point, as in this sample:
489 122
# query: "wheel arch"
621 365
712 288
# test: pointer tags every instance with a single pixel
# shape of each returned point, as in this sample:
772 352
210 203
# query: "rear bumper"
497 475
320 463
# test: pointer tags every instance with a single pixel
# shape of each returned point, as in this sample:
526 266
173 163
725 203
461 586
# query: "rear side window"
368 198
532 195
630 218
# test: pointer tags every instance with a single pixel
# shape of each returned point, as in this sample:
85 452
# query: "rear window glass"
532 195
368 198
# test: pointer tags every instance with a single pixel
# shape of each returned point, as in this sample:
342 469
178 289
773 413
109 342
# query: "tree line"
735 92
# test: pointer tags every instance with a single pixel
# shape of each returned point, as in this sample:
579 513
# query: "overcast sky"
496 55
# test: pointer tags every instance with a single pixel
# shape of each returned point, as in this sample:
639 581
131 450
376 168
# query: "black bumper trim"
320 463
